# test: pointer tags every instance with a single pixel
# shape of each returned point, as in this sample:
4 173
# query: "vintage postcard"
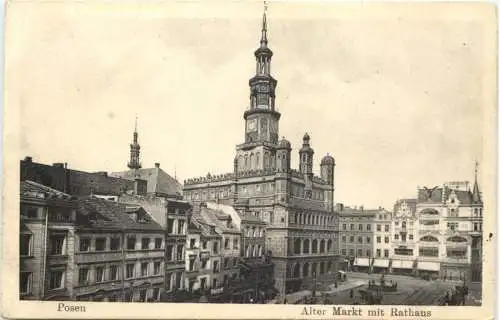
248 159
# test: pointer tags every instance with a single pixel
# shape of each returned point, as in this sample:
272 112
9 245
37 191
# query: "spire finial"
135 126
263 39
476 165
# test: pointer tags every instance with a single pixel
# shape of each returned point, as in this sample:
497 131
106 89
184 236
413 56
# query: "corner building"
296 205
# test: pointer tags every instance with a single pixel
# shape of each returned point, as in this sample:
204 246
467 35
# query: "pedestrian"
351 293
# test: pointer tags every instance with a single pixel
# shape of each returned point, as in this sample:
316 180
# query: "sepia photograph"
323 159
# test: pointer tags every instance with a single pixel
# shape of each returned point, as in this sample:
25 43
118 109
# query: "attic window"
141 218
452 200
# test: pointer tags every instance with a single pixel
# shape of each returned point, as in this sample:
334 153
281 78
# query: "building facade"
405 237
46 245
356 237
296 205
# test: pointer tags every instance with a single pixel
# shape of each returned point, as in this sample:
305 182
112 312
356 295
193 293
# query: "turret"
283 152
327 169
306 156
135 150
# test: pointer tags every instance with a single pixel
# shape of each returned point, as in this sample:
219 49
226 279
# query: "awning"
362 262
402 264
429 266
381 263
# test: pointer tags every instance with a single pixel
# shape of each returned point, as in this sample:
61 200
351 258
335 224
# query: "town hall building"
297 206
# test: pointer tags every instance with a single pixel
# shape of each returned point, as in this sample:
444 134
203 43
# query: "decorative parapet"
256 173
210 178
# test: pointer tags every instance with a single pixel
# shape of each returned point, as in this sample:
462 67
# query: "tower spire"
263 38
476 196
135 149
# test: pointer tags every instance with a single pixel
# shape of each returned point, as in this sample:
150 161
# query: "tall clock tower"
262 118
258 151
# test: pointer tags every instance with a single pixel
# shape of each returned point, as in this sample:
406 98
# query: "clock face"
263 89
251 125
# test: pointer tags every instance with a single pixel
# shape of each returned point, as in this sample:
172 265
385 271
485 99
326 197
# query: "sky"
395 93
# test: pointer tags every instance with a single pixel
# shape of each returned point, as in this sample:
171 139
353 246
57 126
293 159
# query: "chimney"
157 164
28 159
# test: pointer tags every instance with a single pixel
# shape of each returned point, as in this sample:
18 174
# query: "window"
158 242
170 252
157 267
386 239
368 253
453 226
216 247
130 270
83 275
100 244
84 244
369 227
192 243
170 226
428 251
57 245
351 252
142 295
403 224
113 273
368 239
130 243
378 252
360 239
226 244
226 263
410 237
360 227
344 226
351 239
216 266
180 227
379 227
180 252
214 283
144 269
25 282
386 253
360 252
352 226
31 212
396 236
343 240
99 274
145 243
204 264
344 252
25 245
235 244
386 228
476 226
56 280
114 244
396 223
378 239
204 244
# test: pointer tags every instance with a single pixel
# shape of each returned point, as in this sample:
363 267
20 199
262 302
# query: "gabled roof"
104 214
411 203
34 189
159 181
215 218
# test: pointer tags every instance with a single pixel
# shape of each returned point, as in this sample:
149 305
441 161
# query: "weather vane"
265 6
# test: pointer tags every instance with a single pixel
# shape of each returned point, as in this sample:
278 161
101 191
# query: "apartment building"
382 244
405 238
356 236
119 253
46 244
